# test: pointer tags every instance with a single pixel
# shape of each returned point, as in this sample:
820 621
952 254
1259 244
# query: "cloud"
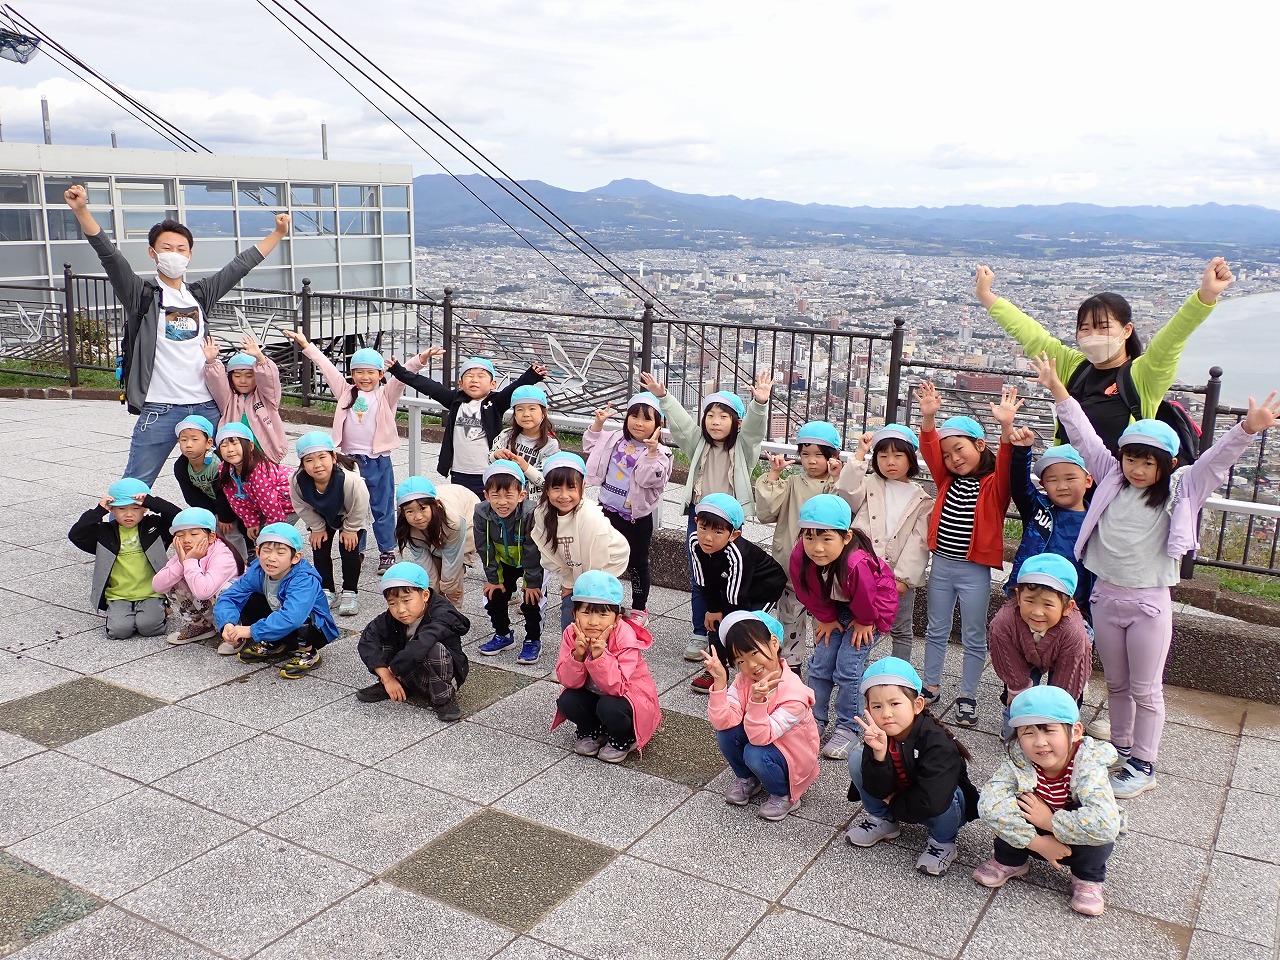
964 156
609 142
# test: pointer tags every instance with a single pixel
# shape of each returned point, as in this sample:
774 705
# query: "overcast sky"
849 102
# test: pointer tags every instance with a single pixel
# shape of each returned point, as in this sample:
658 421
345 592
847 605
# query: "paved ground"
165 802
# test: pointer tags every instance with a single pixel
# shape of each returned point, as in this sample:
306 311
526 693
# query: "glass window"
269 279
137 224
315 250
261 194
19 188
364 276
84 260
212 254
359 222
98 188
313 223
145 193
207 193
29 261
395 221
322 278
355 249
258 222
311 195
211 223
395 196
353 195
63 225
397 248
16 225
399 275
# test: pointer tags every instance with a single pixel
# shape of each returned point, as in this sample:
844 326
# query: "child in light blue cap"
201 568
530 440
247 390
433 529
196 470
503 523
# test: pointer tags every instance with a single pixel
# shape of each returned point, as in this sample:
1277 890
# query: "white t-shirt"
178 373
897 494
358 431
470 449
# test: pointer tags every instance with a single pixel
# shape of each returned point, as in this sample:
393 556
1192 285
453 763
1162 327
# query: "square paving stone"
524 948
111 934
1184 810
1213 946
1196 754
1256 765
1262 720
487 685
179 671
47 623
502 868
826 800
21 676
69 711
1156 877
1250 822
1208 711
91 652
528 713
1240 899
33 904
683 750
264 700
44 790
787 933
15 748
363 732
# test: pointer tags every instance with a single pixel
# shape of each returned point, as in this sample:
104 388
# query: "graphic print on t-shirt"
181 323
469 423
360 408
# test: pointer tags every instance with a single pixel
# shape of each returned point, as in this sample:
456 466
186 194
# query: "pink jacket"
648 481
785 720
266 495
205 577
858 585
620 672
261 407
386 438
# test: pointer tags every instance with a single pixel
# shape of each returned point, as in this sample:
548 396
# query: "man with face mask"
166 322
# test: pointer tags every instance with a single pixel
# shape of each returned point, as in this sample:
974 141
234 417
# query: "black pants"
499 613
594 713
323 560
472 481
1086 863
639 536
306 635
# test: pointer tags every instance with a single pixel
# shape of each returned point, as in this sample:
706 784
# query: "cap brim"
1035 719
1046 580
944 432
715 512
384 584
889 680
125 503
273 538
819 525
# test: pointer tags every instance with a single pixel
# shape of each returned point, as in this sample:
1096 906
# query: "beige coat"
779 502
906 549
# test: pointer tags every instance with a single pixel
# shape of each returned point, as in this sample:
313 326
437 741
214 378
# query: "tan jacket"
906 549
779 502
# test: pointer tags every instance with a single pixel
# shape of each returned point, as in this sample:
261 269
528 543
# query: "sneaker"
386 559
777 808
226 648
611 754
867 831
331 597
994 874
937 857
191 632
373 693
1086 897
349 605
837 748
702 682
966 712
530 651
1122 757
300 664
449 711
695 648
1130 781
1099 728
742 790
930 696
639 617
588 746
256 651
495 646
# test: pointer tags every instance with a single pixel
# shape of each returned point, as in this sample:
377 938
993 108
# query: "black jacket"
934 770
196 497
92 535
383 643
742 576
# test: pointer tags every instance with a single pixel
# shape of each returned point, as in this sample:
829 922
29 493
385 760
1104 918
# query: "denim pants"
154 438
376 472
970 584
838 664
944 828
746 759
695 592
566 612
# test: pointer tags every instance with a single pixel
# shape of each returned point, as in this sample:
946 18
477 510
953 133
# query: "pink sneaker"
995 874
1086 897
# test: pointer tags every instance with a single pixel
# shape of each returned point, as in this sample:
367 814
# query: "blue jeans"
746 759
695 591
944 828
376 472
566 612
153 436
970 584
839 664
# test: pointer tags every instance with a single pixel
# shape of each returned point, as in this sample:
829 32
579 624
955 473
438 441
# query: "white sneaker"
937 857
838 747
1128 782
1099 728
226 648
695 648
350 604
867 831
331 597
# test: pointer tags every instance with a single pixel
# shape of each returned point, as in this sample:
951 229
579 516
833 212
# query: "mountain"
631 214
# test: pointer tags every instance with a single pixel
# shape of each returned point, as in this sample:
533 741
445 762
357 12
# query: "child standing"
966 535
196 470
200 569
128 550
247 391
416 646
608 691
256 489
1142 519
1052 799
330 496
909 768
764 722
529 441
778 501
851 593
433 527
893 510
631 467
503 525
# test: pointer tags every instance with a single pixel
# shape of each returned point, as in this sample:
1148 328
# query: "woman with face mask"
1107 345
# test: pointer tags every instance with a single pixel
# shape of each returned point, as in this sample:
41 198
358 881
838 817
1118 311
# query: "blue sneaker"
530 651
499 643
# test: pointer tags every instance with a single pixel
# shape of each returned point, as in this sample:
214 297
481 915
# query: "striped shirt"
955 524
899 768
1055 791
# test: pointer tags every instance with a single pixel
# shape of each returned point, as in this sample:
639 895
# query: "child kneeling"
416 646
1052 799
608 691
200 569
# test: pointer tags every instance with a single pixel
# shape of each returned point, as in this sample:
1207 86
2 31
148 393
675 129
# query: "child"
723 446
279 604
433 528
631 467
248 391
416 646
608 692
571 532
763 722
128 550
256 489
909 768
778 501
364 428
893 510
196 470
503 526
200 568
1052 799
473 412
529 441
331 498
732 573
966 535
838 578
1142 519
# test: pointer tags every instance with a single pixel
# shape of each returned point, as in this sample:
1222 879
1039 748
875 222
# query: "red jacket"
987 545
620 672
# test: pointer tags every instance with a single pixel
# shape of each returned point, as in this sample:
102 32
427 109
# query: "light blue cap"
596 586
508 468
236 429
285 533
241 361
1062 453
816 431
194 422
125 489
961 427
1154 433
1046 704
405 574
314 442
645 398
723 506
895 431
730 400
529 394
741 616
1052 571
367 359
564 459
891 671
194 518
414 488
477 363
826 511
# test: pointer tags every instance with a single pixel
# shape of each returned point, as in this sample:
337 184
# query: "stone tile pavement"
163 802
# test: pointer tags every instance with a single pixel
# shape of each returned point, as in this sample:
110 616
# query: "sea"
1242 336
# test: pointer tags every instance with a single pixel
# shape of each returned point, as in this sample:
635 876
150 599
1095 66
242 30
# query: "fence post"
306 373
896 341
446 336
69 322
1208 425
646 338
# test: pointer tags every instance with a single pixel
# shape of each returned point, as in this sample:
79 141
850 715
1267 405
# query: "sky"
852 102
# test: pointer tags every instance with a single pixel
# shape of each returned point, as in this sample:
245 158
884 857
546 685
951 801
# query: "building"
352 222
980 382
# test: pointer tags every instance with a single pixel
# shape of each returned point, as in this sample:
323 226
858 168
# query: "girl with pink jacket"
201 566
247 390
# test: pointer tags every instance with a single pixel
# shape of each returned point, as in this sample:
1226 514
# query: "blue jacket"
1046 528
301 599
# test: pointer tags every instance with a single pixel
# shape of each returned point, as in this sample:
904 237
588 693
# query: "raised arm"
1033 338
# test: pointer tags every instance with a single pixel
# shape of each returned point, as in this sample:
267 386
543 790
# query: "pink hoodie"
785 720
205 578
386 438
648 480
620 672
261 407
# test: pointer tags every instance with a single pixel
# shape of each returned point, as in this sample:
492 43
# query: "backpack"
886 587
125 360
1169 412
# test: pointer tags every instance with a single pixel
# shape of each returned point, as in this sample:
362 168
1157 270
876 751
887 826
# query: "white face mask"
172 265
1100 349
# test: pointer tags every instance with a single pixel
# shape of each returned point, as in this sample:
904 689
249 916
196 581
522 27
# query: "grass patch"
1247 584
1013 530
34 374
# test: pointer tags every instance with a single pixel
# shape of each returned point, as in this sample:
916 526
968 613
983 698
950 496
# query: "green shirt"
131 574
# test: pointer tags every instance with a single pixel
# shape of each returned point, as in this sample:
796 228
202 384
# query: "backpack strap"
1128 390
